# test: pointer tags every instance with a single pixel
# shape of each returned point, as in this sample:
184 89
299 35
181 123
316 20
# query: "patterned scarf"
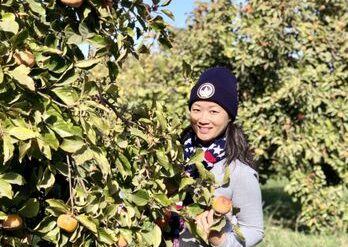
212 153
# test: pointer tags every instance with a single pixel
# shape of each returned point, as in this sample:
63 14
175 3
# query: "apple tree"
73 168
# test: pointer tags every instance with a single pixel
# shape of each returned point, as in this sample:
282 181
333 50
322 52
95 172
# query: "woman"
213 109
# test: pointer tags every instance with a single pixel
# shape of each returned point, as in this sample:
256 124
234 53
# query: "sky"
181 10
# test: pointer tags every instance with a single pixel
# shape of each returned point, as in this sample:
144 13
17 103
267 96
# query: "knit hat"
217 85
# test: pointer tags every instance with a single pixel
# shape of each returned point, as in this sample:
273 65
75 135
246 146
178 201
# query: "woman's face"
208 120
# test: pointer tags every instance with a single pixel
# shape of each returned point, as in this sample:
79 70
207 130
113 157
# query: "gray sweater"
244 190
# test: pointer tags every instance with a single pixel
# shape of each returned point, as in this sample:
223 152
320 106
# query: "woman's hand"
204 221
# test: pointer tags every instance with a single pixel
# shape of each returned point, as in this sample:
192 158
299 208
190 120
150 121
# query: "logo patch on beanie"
206 90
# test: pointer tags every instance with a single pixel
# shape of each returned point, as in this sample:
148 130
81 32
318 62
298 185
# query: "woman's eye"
195 110
214 112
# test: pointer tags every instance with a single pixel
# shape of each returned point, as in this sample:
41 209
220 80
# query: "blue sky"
180 9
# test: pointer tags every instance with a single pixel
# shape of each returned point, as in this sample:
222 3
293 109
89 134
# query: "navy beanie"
217 85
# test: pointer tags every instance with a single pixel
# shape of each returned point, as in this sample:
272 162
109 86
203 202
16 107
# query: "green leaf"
36 7
166 3
186 181
103 163
1 75
5 189
236 229
219 224
68 95
8 148
30 208
46 225
204 173
194 209
97 41
197 232
58 205
84 64
46 181
140 197
62 168
65 129
163 199
153 237
2 215
197 157
72 145
20 74
168 13
22 133
51 139
226 179
138 133
162 120
75 39
56 63
23 148
162 159
44 148
88 222
13 178
107 236
83 155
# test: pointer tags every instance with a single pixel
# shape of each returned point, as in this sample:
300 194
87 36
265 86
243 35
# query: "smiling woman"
213 108
208 120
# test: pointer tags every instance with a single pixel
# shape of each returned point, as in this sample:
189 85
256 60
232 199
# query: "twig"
106 102
70 185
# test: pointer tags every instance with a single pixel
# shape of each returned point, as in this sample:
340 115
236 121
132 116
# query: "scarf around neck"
213 153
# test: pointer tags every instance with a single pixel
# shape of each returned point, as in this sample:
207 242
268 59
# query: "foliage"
290 59
279 210
66 144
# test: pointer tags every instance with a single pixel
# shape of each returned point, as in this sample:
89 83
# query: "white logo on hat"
206 90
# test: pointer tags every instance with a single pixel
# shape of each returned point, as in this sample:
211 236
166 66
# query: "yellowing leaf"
88 222
186 182
71 145
153 237
13 178
87 63
9 24
59 205
140 197
22 133
8 148
5 189
20 74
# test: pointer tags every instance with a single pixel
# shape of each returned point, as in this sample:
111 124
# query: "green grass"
280 215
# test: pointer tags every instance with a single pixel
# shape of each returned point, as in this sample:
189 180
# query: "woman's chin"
204 138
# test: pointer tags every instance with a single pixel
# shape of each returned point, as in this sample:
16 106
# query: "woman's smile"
208 120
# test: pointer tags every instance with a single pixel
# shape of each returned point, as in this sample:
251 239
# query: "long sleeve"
244 189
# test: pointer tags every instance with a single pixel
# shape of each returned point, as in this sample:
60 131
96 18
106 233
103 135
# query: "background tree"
290 59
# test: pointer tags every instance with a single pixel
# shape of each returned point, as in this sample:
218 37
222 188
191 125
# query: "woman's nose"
203 118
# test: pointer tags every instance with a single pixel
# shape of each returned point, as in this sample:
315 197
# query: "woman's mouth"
203 130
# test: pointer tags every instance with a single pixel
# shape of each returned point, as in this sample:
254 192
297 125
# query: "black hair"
237 146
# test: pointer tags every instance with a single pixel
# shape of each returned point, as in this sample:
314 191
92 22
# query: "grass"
280 217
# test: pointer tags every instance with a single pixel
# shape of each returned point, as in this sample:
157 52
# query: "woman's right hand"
204 221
